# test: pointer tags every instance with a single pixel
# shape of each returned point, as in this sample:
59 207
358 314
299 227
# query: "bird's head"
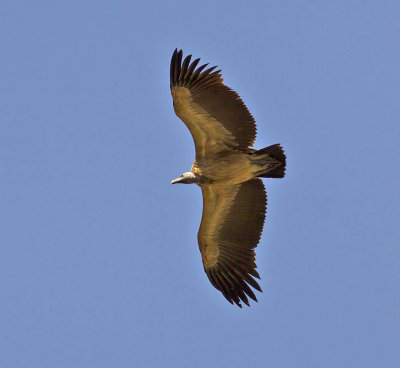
186 178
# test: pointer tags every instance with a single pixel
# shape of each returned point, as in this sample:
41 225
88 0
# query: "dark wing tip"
175 65
186 74
233 283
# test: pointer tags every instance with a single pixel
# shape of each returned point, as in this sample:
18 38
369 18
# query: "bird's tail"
275 151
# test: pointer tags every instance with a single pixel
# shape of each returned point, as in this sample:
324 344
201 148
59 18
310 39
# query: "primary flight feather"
228 171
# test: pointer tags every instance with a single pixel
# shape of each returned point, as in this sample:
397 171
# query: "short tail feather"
276 152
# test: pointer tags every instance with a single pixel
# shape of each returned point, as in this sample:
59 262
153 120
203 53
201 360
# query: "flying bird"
228 172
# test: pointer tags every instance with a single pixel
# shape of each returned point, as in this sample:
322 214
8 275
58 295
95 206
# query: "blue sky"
99 263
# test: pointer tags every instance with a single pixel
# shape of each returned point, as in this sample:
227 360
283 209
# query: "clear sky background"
99 263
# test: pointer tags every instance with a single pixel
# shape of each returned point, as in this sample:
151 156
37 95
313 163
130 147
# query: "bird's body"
227 169
230 167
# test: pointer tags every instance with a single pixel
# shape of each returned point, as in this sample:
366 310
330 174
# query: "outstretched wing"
230 229
215 115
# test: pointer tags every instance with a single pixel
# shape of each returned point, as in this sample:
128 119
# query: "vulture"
228 171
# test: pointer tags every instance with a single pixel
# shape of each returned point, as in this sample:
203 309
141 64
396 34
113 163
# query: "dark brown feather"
185 65
191 68
275 151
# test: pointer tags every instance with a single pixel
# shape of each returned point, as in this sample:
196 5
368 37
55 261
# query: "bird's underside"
228 170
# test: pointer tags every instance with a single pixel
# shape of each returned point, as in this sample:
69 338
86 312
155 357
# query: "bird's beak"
175 181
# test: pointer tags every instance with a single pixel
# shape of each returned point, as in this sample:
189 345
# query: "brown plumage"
227 169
